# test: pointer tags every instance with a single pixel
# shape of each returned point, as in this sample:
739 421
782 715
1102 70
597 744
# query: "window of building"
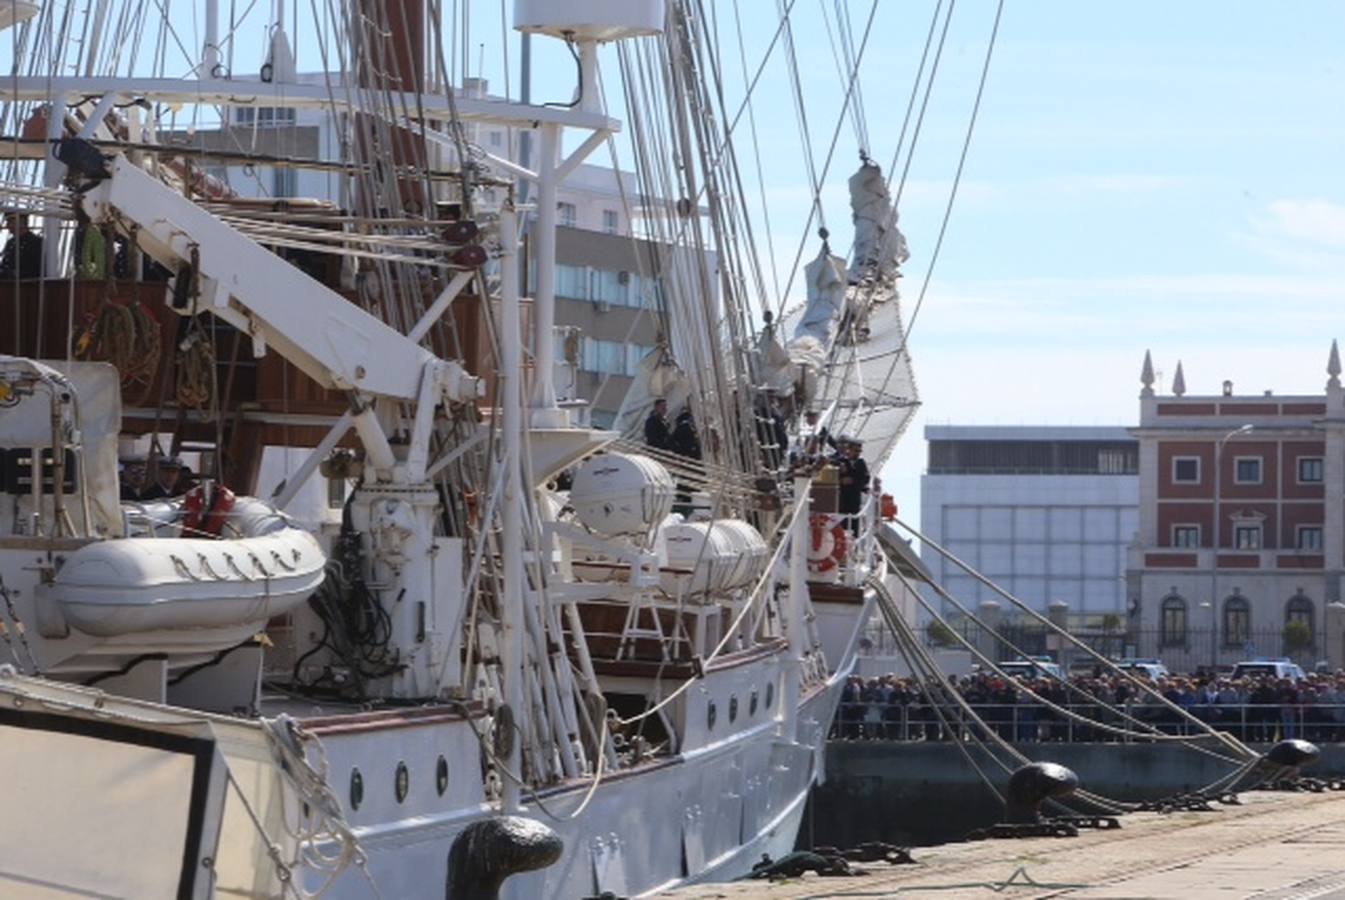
610 221
1186 470
1308 537
284 182
1237 621
1310 470
497 138
1173 628
1186 535
611 357
1247 470
1301 612
1247 537
611 286
274 115
567 214
571 282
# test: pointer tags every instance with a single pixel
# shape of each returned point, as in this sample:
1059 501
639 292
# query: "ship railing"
1032 723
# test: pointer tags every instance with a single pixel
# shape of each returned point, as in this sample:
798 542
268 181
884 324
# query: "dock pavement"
1274 846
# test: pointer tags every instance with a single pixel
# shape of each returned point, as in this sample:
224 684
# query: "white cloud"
1315 221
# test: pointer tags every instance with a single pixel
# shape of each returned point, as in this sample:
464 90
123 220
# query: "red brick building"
1242 525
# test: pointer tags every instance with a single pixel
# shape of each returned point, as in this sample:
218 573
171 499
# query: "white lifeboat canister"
723 556
621 494
139 585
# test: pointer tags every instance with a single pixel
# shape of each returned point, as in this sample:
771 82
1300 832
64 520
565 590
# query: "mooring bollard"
1032 785
1294 754
488 852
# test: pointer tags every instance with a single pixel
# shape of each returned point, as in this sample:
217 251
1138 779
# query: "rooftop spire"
1179 381
1333 366
1147 376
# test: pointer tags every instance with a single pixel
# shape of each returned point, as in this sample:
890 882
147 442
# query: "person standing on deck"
657 431
854 480
22 255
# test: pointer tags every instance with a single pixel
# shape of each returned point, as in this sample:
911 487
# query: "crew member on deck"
23 252
854 480
657 431
132 477
686 440
165 483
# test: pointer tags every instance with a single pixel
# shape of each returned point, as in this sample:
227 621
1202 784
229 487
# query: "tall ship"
313 565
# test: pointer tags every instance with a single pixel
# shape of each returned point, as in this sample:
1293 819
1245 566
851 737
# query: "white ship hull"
706 815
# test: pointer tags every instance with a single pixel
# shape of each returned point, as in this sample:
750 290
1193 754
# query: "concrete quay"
929 795
1275 846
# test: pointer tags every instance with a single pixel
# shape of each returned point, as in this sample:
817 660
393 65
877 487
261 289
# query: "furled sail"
825 278
880 247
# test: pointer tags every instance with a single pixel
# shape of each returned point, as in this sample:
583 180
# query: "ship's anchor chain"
1197 802
831 862
1045 828
1304 784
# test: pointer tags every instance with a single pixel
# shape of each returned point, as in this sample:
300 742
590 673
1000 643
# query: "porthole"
356 788
402 782
441 776
770 694
752 703
710 714
733 708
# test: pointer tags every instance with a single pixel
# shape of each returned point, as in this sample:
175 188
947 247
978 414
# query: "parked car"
1280 667
1152 669
1033 667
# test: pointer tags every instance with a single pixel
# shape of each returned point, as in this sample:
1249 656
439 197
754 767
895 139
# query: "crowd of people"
1251 709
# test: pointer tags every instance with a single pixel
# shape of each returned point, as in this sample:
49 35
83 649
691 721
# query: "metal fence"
1033 723
1195 650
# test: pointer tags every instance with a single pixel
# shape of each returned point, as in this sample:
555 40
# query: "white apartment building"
1047 513
604 288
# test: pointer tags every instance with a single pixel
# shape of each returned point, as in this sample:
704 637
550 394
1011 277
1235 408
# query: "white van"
1280 667
1151 669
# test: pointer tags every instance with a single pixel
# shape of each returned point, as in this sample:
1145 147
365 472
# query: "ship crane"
330 339
394 511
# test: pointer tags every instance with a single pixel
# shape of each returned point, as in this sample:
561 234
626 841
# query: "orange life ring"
829 544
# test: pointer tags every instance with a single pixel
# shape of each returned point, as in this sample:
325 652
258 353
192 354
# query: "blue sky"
1147 174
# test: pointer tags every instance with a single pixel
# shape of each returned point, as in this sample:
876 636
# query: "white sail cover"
825 278
880 247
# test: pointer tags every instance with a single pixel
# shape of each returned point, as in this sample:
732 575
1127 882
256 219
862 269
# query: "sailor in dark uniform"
657 431
686 440
854 480
22 255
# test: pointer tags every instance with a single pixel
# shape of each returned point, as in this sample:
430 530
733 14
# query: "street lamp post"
1217 531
